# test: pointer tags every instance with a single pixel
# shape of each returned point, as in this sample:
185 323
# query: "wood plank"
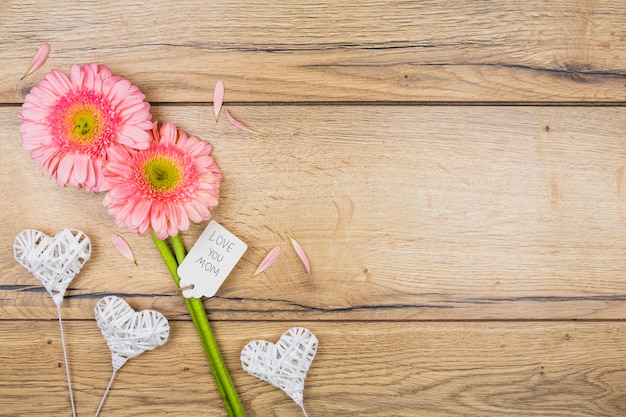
379 369
406 212
330 51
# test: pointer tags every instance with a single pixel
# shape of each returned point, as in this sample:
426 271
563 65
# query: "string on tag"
180 290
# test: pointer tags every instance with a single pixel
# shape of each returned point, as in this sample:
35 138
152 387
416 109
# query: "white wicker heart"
284 364
128 333
54 261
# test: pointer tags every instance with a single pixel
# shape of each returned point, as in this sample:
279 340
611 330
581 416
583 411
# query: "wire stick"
106 392
67 367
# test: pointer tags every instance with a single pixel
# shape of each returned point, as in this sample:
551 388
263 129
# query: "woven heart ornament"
53 260
129 333
284 364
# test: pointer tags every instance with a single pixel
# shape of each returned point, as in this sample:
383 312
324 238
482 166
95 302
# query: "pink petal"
133 137
270 258
81 168
301 253
141 213
122 246
218 99
239 125
168 133
183 225
38 60
157 219
57 82
64 169
77 76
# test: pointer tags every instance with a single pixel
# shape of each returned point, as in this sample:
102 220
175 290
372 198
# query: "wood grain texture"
406 212
532 51
466 260
362 368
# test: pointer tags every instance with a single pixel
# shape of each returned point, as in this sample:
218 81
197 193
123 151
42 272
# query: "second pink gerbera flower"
69 124
164 187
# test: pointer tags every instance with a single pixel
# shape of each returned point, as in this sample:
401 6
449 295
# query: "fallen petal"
38 60
122 246
270 258
301 253
218 99
238 125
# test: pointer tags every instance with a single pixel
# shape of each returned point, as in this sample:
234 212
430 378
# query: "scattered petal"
218 99
301 253
268 261
122 246
238 125
38 60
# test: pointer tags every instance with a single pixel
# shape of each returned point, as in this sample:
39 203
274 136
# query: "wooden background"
455 171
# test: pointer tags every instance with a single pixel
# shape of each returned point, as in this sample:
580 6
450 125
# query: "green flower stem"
196 317
168 258
223 381
179 248
172 266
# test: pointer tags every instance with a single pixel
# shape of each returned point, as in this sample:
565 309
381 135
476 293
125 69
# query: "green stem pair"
224 383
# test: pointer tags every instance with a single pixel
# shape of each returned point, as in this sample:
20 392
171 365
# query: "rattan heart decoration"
284 364
128 333
54 261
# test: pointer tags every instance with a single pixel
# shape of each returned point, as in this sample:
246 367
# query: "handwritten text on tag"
209 261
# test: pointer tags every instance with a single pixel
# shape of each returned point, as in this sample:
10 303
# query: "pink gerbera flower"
69 124
164 187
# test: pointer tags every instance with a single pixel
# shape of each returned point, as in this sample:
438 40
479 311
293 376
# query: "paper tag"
209 261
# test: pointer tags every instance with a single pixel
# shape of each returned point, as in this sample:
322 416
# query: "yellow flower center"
162 174
83 124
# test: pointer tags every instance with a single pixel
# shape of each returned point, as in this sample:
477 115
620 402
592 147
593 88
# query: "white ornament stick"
284 364
128 333
54 261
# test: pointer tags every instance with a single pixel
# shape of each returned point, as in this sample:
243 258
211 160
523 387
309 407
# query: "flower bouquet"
94 130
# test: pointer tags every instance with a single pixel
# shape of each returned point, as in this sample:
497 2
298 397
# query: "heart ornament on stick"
128 333
284 364
54 261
